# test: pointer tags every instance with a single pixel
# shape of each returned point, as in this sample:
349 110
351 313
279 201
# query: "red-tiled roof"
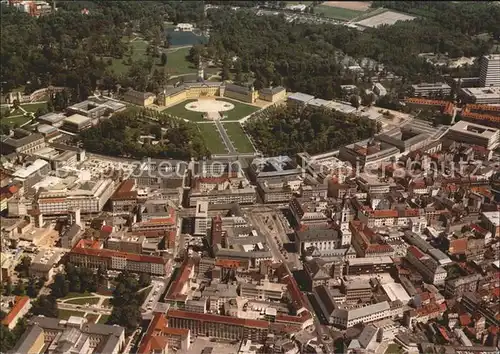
156 327
204 317
19 303
174 292
384 213
465 320
105 253
415 252
125 190
458 246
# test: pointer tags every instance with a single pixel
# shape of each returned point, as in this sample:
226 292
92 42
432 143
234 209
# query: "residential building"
346 318
431 89
72 336
264 290
201 218
22 142
371 265
125 198
379 89
216 326
325 240
475 134
491 221
88 196
91 254
430 269
481 95
20 307
490 71
458 286
44 263
31 174
159 337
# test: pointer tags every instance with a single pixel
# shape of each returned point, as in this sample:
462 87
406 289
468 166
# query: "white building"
184 27
471 133
490 71
348 318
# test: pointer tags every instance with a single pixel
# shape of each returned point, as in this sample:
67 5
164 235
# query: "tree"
23 267
163 59
45 306
32 289
354 100
19 289
8 288
15 104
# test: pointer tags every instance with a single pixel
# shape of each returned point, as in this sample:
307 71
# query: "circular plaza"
210 108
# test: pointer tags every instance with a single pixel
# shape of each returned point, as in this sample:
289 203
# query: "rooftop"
77 119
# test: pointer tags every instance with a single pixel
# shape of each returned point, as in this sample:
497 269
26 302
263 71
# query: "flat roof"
299 96
77 119
396 291
478 130
482 92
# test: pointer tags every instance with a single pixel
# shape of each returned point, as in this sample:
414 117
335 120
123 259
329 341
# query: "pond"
185 38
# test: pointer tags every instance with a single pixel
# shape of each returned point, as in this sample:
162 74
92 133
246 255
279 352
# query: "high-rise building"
490 71
201 218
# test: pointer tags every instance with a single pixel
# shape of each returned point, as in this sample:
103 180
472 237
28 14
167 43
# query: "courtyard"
194 109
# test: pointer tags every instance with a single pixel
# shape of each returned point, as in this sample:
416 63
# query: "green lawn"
240 110
65 314
176 60
106 303
33 107
15 120
83 301
103 319
337 12
238 137
212 138
72 295
177 63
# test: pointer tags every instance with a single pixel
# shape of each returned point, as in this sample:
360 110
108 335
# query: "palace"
192 90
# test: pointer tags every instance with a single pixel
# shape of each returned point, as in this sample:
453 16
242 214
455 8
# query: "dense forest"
120 135
307 57
467 17
286 130
67 48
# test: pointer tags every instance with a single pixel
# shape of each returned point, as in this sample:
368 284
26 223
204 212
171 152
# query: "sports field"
238 137
338 13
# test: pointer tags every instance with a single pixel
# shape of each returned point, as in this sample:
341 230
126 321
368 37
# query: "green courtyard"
83 301
240 110
238 137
